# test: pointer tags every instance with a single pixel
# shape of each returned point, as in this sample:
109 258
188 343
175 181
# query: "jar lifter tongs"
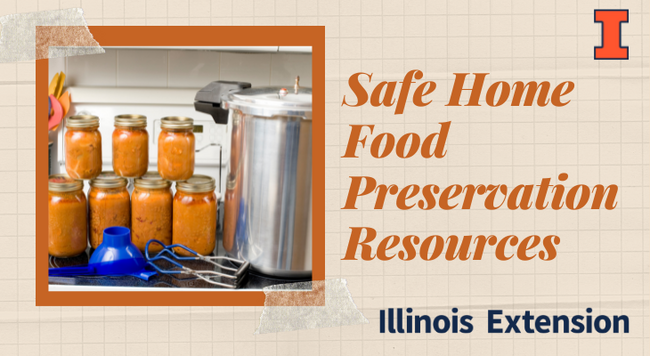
235 277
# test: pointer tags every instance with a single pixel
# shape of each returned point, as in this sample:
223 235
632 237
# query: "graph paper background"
601 137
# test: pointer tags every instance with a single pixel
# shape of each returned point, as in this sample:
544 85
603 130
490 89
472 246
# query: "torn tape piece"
20 40
328 304
65 41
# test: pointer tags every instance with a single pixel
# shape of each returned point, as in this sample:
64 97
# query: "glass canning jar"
83 147
130 146
151 211
195 215
67 231
110 205
176 148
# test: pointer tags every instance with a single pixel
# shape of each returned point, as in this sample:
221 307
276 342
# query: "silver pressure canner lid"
270 101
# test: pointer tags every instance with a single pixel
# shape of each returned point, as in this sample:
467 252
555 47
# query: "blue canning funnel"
115 256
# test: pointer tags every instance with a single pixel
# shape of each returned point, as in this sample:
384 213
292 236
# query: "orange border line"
313 36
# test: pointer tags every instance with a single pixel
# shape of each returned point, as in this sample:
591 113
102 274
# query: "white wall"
182 68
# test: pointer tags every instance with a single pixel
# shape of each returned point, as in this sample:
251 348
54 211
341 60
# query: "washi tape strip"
20 41
328 304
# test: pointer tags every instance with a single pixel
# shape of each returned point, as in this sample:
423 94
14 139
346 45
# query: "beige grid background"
601 137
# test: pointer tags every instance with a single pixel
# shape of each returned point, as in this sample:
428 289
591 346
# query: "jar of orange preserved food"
195 215
83 147
130 146
67 221
151 211
176 148
109 204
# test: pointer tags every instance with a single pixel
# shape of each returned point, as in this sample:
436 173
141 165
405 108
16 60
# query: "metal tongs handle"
166 248
243 265
168 260
236 276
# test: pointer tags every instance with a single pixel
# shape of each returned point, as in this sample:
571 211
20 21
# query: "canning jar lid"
108 179
197 184
176 122
151 180
270 101
82 121
131 120
63 183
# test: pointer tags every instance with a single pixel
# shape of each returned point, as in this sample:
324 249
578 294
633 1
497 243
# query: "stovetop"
253 281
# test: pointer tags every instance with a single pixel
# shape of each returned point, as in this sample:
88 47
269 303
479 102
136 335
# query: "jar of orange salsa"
195 215
130 146
83 147
109 204
67 220
151 211
176 148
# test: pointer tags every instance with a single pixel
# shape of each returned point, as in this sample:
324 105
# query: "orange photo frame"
313 36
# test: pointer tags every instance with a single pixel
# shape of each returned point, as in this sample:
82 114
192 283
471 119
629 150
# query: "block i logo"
611 22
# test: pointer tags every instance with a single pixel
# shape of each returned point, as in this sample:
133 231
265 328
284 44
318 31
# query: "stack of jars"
188 218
